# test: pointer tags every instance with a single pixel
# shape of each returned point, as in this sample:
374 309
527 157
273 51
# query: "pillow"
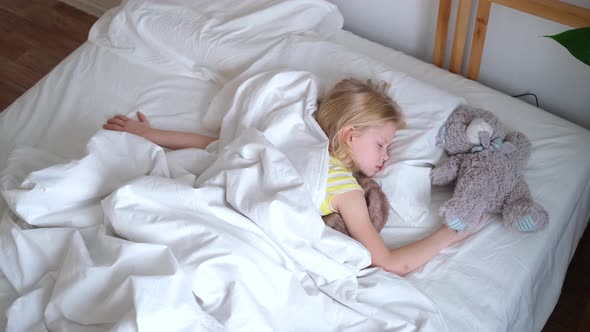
206 39
405 177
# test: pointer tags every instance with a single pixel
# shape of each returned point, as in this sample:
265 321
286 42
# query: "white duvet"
228 238
208 39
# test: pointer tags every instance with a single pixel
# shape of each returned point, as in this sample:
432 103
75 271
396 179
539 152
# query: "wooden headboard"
553 10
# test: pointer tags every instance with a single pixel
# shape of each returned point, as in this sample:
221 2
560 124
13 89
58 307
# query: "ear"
348 132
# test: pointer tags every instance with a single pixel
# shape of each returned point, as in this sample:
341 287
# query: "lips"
378 168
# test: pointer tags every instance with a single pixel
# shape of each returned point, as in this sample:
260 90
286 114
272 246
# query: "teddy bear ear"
441 137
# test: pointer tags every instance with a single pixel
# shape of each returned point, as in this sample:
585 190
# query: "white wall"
516 58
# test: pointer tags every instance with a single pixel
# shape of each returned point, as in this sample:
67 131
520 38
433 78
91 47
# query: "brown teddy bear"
485 165
377 204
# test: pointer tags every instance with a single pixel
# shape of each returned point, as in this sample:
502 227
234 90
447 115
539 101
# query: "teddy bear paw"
525 224
456 224
525 217
531 222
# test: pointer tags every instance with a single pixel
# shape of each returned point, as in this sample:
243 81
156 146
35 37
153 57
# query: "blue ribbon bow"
496 143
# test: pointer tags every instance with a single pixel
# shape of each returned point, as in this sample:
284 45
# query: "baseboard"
92 7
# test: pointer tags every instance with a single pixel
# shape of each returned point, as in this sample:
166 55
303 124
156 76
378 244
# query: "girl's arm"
352 207
167 138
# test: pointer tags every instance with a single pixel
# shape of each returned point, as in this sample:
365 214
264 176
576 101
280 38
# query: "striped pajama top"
340 180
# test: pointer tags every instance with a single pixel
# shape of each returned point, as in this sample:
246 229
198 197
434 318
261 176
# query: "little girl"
360 121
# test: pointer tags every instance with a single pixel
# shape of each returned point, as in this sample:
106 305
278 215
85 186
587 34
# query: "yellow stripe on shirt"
340 180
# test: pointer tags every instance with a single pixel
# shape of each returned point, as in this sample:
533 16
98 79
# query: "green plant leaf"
577 41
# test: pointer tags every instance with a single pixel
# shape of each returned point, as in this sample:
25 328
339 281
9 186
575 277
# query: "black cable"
528 94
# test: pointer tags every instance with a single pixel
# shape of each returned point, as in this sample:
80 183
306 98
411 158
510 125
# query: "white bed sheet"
88 88
76 260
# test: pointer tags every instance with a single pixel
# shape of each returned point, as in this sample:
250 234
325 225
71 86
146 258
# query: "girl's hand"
462 235
457 236
123 123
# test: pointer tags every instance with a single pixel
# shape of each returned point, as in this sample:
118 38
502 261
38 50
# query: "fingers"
114 127
116 121
123 123
141 117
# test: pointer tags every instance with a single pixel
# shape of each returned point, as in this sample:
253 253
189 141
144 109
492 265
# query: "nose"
385 156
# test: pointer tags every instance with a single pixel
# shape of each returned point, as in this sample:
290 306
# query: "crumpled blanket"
131 236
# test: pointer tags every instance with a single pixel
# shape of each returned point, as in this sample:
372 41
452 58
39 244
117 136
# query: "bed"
106 231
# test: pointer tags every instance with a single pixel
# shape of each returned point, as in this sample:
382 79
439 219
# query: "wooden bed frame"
554 10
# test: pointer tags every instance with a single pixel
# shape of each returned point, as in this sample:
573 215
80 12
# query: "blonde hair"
359 104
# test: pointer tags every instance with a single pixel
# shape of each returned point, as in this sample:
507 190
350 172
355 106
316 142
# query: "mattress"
461 289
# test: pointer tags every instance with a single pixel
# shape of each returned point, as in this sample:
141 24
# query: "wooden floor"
37 34
572 312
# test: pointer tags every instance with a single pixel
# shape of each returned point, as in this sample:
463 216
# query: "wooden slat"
460 36
442 30
554 10
479 37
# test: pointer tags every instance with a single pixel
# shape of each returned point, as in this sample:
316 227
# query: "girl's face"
369 146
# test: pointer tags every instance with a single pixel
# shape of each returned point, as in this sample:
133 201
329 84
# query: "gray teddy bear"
377 204
485 166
